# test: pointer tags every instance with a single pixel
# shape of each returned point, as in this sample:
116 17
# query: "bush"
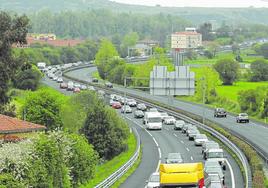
105 131
259 71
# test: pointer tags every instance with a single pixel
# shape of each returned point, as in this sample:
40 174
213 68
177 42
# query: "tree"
259 70
105 131
43 107
264 50
129 40
13 30
105 54
228 70
213 48
206 31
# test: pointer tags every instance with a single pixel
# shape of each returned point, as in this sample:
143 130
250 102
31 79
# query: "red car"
117 105
76 90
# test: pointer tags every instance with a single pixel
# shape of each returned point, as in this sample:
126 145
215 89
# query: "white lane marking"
232 173
192 158
175 135
182 142
159 151
187 149
155 142
158 165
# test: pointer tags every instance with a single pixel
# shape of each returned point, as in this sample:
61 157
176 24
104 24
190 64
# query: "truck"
182 175
152 120
41 66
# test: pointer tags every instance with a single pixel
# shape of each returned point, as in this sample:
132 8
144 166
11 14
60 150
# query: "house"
12 129
186 40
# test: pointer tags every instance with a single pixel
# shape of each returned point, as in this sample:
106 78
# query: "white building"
186 40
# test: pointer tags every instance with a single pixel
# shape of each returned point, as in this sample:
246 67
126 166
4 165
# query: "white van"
152 120
41 66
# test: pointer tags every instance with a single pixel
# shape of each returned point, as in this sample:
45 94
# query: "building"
13 128
186 40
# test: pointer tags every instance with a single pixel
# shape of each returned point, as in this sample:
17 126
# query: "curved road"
256 133
166 140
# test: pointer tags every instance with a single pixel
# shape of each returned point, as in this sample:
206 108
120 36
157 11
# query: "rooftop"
187 33
14 125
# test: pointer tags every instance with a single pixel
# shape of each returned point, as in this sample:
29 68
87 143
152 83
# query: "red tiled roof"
14 125
56 43
188 33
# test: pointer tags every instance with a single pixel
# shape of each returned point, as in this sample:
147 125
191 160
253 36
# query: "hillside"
196 15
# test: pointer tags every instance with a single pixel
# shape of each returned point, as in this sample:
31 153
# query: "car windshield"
169 117
243 114
216 185
215 146
179 122
154 178
215 155
174 156
155 120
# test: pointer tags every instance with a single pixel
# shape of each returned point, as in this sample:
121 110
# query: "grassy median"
106 169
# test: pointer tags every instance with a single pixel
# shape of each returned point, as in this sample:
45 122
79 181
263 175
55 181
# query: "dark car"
220 112
109 85
95 80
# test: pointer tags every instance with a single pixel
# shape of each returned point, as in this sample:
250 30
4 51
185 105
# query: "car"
132 102
76 90
190 129
70 86
163 115
83 87
207 146
154 181
126 109
112 102
242 117
77 85
55 78
215 170
91 88
220 112
200 139
215 181
63 85
59 80
179 124
216 155
170 120
186 126
117 105
174 158
95 80
109 84
138 114
142 107
113 97
192 134
211 163
153 110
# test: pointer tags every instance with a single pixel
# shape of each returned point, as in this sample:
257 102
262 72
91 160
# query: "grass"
231 92
129 172
105 170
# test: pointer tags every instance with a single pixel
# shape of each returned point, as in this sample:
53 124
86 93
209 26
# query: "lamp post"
203 96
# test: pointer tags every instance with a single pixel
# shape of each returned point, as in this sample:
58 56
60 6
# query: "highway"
157 144
253 132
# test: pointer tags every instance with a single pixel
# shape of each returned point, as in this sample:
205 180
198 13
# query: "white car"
170 120
77 85
132 102
216 155
55 78
83 87
179 125
200 139
60 80
126 109
215 170
242 117
164 115
154 181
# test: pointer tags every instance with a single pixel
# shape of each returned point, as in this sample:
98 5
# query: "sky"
199 3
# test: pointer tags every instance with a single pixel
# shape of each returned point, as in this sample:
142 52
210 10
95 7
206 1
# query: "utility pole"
203 94
125 95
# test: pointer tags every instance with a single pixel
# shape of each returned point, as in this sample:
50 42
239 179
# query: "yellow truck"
185 175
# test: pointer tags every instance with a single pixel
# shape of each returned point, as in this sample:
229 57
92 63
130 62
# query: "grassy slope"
106 169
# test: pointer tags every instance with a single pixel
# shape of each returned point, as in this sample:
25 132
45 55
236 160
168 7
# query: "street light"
203 95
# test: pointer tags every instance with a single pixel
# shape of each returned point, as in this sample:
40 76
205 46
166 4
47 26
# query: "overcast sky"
199 3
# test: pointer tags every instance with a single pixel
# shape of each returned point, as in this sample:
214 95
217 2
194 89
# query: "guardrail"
122 170
227 142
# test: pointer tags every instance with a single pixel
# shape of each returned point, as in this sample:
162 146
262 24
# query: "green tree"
43 107
13 30
228 70
106 53
206 30
8 181
82 161
259 71
105 131
129 40
264 50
